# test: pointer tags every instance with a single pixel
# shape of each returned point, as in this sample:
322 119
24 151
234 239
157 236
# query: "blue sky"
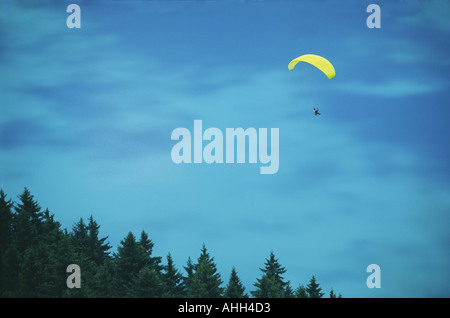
87 116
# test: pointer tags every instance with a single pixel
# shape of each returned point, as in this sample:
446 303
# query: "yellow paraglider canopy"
321 63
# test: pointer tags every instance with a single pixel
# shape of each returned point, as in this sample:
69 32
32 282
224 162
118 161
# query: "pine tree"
267 287
301 292
211 275
107 283
274 269
6 216
187 279
130 259
204 255
147 244
55 249
27 221
33 249
235 289
147 283
84 251
198 284
10 256
205 281
31 271
288 291
9 271
89 252
313 289
80 237
274 285
189 268
173 279
332 294
97 248
35 252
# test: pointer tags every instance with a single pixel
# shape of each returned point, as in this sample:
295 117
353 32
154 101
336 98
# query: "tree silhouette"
313 289
235 289
35 252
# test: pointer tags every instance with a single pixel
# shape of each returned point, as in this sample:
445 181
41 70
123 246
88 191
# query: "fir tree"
97 248
147 283
57 254
5 222
26 221
313 289
332 294
35 252
274 269
274 285
173 279
235 289
147 244
268 287
80 237
6 283
205 281
130 259
31 272
301 292
288 291
189 269
9 272
107 283
40 257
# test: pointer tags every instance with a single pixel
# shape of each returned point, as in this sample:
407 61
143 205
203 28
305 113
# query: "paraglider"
320 62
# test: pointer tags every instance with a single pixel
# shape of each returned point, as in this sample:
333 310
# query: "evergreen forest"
35 252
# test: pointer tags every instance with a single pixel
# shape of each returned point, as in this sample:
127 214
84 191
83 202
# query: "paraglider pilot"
316 111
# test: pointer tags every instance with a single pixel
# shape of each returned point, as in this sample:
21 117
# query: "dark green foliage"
204 280
130 259
147 244
189 269
268 287
97 247
35 253
301 292
27 221
332 294
6 217
235 289
313 289
271 283
147 283
289 292
173 280
8 251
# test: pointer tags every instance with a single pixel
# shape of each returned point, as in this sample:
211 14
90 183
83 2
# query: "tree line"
35 252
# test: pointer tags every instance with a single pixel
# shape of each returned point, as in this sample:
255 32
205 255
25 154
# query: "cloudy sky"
87 116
